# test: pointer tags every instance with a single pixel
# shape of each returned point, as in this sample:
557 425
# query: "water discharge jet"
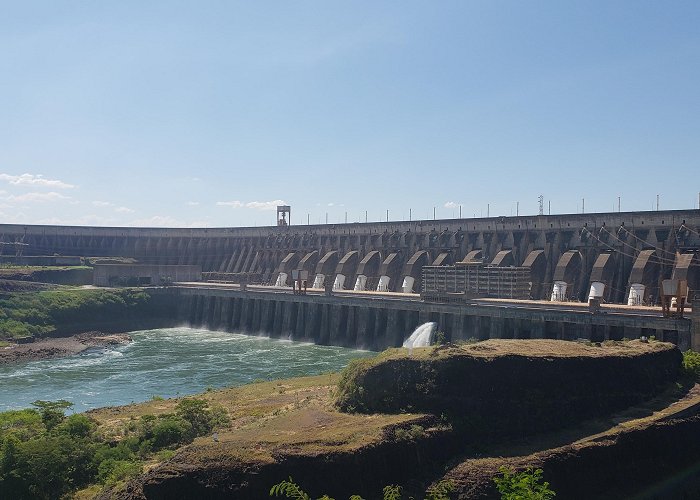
422 336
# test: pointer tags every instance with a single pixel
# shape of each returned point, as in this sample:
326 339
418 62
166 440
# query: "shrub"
392 492
524 485
441 491
197 413
289 489
112 471
24 424
349 392
77 425
411 434
691 364
440 338
169 431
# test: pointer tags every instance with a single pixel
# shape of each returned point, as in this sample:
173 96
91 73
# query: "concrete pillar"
264 316
289 317
185 309
631 332
564 331
585 331
236 315
458 328
393 335
199 310
215 321
339 315
423 317
514 330
226 312
482 327
208 312
246 314
496 328
277 321
365 327
379 339
351 327
313 321
299 330
537 328
324 334
659 334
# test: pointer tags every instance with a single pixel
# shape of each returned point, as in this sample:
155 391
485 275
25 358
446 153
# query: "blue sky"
211 113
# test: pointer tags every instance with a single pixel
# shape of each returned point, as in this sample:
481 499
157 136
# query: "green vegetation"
440 338
413 433
349 391
525 485
46 455
288 488
691 364
38 314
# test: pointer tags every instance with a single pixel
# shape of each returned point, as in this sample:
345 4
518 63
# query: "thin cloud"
451 204
265 205
255 205
193 203
34 180
124 210
234 204
102 204
51 196
84 220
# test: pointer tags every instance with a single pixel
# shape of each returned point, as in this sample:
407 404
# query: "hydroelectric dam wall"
622 255
378 323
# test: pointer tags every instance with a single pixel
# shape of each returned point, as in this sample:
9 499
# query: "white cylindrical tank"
559 291
383 285
281 280
360 283
636 297
318 281
339 282
407 285
597 289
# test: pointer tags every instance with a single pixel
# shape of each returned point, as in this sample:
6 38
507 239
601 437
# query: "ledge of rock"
510 387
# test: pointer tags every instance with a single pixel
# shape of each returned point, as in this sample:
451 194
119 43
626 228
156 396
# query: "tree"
197 413
52 412
524 485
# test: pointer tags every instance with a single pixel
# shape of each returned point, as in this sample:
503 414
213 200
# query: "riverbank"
65 312
57 347
294 428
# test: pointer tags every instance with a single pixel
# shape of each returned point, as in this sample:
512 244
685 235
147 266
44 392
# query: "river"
164 363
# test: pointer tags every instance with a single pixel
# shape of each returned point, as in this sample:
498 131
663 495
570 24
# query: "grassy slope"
268 416
44 313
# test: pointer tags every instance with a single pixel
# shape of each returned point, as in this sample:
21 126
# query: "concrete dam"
620 257
365 278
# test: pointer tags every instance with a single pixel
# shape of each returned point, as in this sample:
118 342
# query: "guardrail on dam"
621 256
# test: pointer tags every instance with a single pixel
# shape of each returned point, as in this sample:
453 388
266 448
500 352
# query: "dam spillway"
621 256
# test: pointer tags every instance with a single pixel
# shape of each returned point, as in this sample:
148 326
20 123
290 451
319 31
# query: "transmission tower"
540 198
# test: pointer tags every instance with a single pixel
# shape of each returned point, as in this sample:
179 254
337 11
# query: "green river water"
166 363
